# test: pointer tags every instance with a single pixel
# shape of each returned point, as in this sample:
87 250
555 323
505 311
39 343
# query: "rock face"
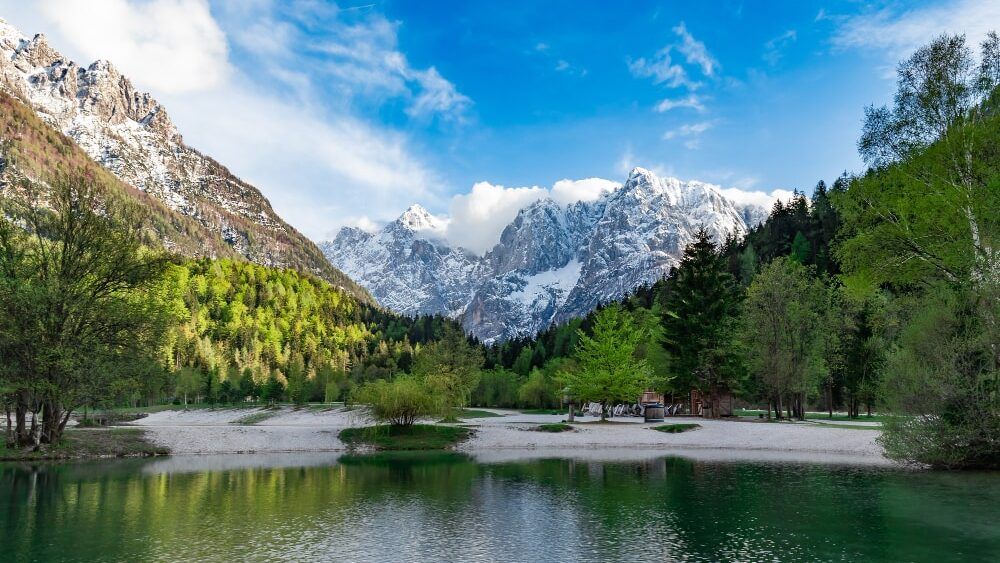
130 134
551 263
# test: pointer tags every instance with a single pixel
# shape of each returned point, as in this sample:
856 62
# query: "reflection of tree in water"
444 504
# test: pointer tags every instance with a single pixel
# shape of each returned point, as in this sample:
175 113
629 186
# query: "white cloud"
774 47
169 46
478 217
363 222
763 199
587 189
437 96
662 70
694 51
689 130
898 33
690 101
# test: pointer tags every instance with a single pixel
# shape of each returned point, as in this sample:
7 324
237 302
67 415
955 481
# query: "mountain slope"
551 263
130 134
34 151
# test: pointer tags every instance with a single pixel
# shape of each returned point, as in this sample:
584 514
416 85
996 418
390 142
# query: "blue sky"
347 113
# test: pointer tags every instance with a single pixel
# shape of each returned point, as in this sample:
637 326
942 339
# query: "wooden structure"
701 403
651 397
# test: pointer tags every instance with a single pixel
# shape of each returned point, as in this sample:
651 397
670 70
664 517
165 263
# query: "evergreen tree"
698 322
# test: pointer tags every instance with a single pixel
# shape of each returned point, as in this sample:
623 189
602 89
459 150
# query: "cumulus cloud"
169 46
763 199
899 32
478 217
589 189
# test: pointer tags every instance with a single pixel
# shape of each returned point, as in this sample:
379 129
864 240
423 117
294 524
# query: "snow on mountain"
130 134
552 262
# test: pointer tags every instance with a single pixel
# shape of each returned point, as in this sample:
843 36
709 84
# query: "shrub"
554 427
400 402
676 428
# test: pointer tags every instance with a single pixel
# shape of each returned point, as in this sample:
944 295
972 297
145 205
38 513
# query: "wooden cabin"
700 403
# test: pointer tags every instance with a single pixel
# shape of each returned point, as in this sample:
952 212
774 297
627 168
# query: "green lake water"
447 507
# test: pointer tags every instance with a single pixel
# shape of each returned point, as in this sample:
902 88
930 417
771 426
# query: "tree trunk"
777 406
9 432
829 399
22 437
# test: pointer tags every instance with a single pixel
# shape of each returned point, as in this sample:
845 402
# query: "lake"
449 507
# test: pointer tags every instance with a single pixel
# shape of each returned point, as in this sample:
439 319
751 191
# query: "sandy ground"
512 436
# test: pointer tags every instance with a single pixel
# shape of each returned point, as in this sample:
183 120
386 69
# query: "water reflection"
451 507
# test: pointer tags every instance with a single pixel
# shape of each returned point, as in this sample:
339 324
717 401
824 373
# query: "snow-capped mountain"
130 134
552 262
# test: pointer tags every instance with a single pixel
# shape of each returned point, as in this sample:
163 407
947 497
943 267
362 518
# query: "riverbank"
286 429
91 443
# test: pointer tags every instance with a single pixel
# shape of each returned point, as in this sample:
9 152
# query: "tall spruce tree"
699 321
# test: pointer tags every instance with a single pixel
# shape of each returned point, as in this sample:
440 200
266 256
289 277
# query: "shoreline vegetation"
90 443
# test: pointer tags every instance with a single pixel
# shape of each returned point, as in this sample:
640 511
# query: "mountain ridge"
552 262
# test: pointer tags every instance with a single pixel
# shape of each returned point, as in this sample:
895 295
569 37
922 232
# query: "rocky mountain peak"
552 262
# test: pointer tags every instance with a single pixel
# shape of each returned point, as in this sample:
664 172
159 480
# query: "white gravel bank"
289 430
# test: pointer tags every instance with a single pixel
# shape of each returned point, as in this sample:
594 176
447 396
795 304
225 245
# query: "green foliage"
79 314
784 330
923 223
450 367
606 368
409 437
400 402
539 391
944 372
800 248
497 387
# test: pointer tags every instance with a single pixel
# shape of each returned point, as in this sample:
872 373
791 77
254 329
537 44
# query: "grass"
554 427
543 411
400 438
256 417
80 443
475 413
838 417
676 428
850 426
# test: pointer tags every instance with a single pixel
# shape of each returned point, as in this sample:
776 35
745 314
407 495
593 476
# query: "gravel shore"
216 431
